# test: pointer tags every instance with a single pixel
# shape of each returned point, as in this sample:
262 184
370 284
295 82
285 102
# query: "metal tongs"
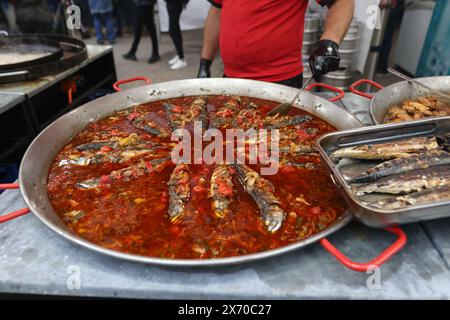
441 96
283 108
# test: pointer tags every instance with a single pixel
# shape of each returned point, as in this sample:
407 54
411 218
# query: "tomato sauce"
131 216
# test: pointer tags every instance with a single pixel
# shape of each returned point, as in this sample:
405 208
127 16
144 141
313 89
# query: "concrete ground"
160 71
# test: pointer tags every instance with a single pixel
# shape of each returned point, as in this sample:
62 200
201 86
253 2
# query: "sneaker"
154 58
130 56
181 63
173 60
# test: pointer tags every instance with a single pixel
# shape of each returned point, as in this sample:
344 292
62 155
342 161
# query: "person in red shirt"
262 40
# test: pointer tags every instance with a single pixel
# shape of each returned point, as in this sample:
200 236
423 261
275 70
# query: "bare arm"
211 34
338 19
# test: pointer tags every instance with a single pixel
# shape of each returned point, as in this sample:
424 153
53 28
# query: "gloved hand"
324 58
203 70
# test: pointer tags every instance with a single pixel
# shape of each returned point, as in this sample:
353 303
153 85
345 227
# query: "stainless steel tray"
348 168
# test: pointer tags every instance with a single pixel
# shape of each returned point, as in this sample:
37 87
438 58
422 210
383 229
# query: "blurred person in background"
86 18
262 40
102 12
174 9
9 12
117 18
144 15
34 16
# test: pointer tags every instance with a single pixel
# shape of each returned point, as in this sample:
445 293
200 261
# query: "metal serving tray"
349 168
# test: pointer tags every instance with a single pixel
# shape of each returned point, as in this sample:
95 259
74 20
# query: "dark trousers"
174 8
295 82
145 15
104 20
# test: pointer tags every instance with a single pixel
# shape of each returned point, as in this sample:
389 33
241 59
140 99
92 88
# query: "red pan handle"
141 78
15 214
378 261
353 89
327 86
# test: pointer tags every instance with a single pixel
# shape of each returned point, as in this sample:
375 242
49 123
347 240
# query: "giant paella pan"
102 176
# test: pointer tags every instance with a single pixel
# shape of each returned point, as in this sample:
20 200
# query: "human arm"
210 42
325 57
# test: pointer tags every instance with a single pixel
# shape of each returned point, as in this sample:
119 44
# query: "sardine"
179 192
179 117
116 156
152 124
411 181
221 189
416 198
125 174
248 117
383 151
277 121
296 149
223 117
306 165
96 145
398 165
261 191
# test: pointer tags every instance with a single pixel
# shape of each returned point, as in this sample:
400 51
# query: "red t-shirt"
261 39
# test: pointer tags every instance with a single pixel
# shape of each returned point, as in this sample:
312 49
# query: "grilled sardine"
221 189
124 174
277 121
416 198
179 191
398 165
411 181
261 191
180 117
383 151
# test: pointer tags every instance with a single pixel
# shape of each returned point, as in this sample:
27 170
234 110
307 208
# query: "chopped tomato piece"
198 189
148 165
106 148
105 179
315 210
225 190
133 116
176 109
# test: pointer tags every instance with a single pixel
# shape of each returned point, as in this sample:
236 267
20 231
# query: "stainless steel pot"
396 93
39 155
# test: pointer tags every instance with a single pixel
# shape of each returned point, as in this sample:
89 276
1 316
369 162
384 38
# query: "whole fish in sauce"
295 164
276 121
151 123
115 156
262 191
411 181
221 189
179 118
248 117
383 151
96 145
416 198
399 165
225 114
108 145
179 192
125 174
297 149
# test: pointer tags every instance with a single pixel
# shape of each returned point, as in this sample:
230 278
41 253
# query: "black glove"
324 58
203 70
